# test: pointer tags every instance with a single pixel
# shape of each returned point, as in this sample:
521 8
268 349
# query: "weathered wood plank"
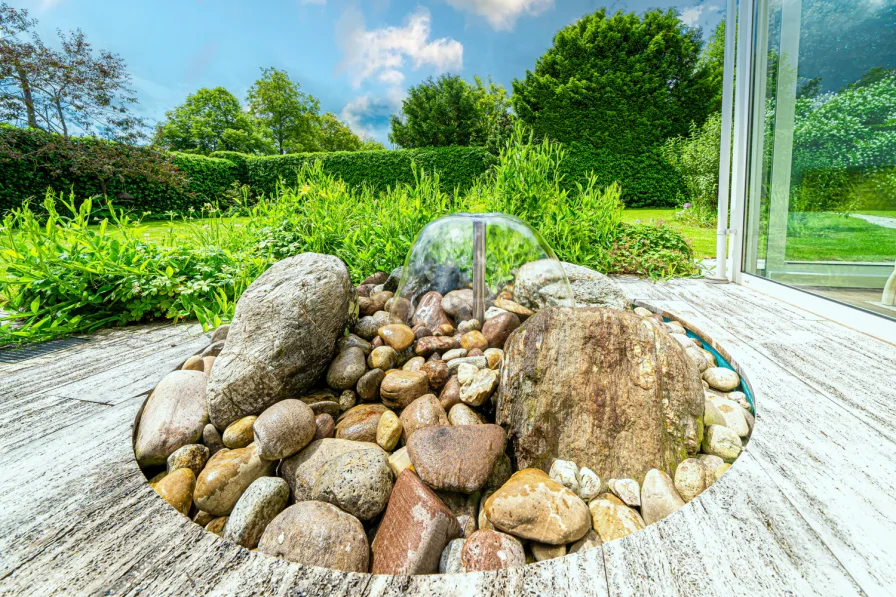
740 537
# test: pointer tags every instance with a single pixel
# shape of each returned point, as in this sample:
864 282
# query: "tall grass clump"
74 268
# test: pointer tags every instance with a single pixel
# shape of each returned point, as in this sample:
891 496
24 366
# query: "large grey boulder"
538 285
602 388
282 336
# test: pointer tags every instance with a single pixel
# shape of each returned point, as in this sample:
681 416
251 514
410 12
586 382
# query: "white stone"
659 498
450 561
626 490
454 353
722 379
690 479
466 372
565 472
722 442
589 484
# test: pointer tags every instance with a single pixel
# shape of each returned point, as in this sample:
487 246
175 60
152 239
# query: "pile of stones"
341 426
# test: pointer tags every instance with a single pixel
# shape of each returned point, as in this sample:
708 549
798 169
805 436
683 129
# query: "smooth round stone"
347 368
400 308
469 325
239 434
194 363
202 518
400 388
174 416
383 357
177 489
472 340
369 385
589 484
684 340
659 498
220 334
478 362
722 442
675 328
217 526
156 478
359 482
498 328
429 345
317 534
461 414
718 472
330 407
493 312
476 352
459 304
454 353
697 357
324 425
211 437
566 473
421 331
710 462
517 309
347 399
414 364
397 335
480 388
214 349
360 423
226 476
388 431
533 506
354 341
494 357
425 411
721 379
207 363
450 394
436 372
627 490
543 552
589 541
191 456
727 413
487 549
285 428
367 327
612 519
465 373
690 478
642 312
302 470
450 561
264 499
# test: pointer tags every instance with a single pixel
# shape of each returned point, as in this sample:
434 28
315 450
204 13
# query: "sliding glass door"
821 209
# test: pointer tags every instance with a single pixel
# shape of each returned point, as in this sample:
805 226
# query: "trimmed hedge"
647 179
458 167
60 167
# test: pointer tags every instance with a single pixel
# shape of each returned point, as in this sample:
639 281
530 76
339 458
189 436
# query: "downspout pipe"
721 276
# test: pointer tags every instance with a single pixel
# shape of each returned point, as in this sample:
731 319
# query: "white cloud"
690 16
369 115
502 14
383 52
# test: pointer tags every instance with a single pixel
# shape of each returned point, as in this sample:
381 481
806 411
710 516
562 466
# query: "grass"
881 213
829 237
703 240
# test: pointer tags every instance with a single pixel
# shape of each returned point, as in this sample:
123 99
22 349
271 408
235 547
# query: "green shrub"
240 159
63 276
696 159
140 179
457 167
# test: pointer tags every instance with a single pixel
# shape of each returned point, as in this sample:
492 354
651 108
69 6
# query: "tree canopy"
450 111
623 82
284 110
211 120
72 89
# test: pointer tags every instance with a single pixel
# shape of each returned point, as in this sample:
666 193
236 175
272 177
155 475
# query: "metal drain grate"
23 353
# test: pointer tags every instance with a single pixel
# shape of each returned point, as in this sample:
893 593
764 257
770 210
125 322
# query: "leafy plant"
696 159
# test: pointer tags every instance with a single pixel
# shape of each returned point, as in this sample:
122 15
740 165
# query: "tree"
69 90
622 83
334 135
496 116
289 114
713 60
211 120
438 113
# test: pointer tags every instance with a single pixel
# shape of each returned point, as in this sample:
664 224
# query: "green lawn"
702 239
829 237
882 213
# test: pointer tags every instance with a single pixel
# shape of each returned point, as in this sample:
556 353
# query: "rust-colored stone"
498 328
415 529
359 423
425 411
456 458
429 311
490 550
400 388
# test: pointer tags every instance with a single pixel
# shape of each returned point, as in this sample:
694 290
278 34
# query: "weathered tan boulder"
282 336
173 417
602 388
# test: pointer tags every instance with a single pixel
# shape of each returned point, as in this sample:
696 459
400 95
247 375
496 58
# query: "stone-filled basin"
393 461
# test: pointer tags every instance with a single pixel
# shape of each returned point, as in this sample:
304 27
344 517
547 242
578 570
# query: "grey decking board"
76 514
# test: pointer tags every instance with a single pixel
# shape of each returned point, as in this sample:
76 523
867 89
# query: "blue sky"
358 57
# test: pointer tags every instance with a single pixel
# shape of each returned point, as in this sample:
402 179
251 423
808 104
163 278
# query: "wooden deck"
808 509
